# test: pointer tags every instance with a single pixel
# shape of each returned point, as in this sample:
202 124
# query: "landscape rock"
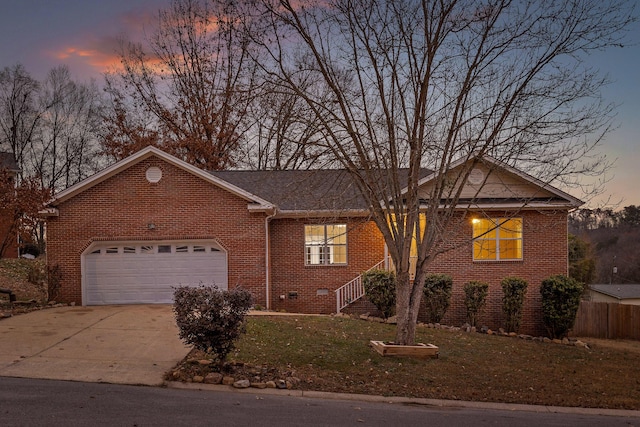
198 379
242 384
270 384
204 362
292 382
228 380
213 378
281 384
259 385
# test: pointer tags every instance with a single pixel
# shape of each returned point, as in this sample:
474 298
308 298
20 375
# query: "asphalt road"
32 402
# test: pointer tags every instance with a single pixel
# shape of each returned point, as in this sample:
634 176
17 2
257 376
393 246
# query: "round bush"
560 301
475 297
380 289
514 291
437 296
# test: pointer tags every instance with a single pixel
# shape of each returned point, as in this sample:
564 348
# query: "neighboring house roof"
8 161
626 291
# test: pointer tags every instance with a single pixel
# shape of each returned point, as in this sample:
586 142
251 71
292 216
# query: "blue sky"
83 34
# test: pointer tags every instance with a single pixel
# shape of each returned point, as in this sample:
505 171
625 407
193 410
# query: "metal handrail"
353 290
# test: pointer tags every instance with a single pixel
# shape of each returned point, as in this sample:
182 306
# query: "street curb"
439 403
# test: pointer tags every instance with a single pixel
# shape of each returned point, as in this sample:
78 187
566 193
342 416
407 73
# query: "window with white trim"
325 244
497 239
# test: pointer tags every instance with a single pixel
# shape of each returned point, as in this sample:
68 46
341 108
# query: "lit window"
497 239
325 244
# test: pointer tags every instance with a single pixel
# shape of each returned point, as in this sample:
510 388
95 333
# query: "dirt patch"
26 279
622 345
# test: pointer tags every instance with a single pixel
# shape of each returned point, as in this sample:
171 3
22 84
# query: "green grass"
333 354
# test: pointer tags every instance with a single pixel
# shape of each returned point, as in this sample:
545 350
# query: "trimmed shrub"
437 295
560 302
211 319
380 289
514 291
475 297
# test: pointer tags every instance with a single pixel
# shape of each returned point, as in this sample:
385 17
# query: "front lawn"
332 354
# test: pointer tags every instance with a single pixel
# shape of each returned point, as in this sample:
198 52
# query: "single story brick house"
10 239
149 222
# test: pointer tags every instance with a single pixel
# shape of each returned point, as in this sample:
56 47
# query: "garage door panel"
142 276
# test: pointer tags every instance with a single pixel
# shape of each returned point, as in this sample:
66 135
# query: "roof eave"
313 213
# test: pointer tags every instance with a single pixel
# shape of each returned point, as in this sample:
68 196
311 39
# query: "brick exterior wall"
365 248
545 253
181 205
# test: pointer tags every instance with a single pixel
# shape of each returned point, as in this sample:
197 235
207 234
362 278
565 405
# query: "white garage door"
147 272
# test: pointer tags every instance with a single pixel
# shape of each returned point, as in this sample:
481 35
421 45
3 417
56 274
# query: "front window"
497 239
325 244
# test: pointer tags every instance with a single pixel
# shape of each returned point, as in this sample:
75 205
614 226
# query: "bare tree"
408 84
50 127
65 150
186 89
19 112
283 134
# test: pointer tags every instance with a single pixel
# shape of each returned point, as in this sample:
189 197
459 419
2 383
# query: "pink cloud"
99 49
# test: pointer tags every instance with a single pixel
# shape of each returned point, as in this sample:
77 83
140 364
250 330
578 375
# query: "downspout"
268 259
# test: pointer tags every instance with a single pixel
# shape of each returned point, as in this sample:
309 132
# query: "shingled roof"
627 291
7 161
304 190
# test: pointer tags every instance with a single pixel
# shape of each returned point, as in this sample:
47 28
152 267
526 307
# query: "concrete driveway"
126 344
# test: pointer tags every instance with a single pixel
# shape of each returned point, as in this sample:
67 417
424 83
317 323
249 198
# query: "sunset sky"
83 34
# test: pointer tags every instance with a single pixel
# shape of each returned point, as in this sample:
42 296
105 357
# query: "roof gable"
494 183
144 154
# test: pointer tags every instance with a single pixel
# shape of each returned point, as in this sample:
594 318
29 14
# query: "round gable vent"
154 174
476 176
